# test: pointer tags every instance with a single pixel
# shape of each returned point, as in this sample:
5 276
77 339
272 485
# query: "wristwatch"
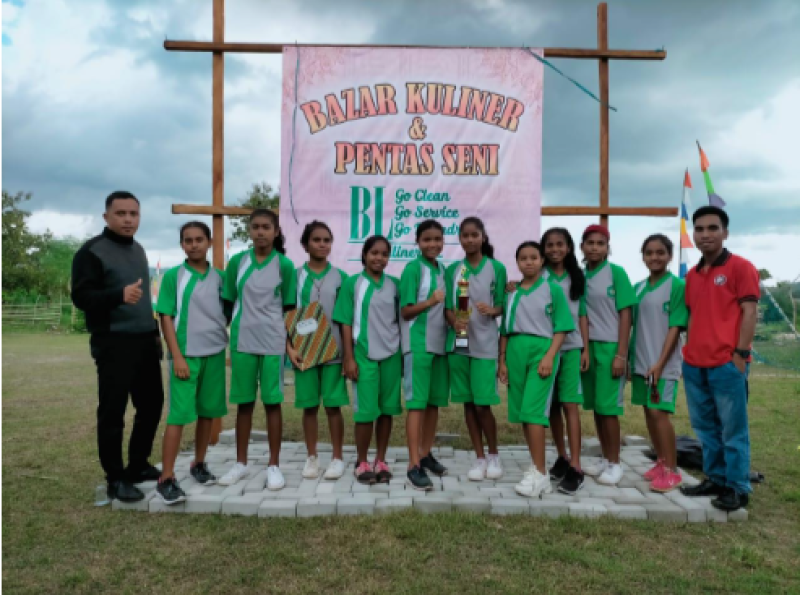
744 353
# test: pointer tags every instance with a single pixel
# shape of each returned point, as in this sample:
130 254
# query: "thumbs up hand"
132 293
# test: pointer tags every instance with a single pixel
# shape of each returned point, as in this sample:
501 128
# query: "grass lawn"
55 541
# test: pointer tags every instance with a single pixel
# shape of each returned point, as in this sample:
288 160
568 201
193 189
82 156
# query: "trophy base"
462 342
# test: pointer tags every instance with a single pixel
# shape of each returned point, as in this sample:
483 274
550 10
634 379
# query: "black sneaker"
560 469
729 500
429 463
149 473
202 475
124 491
572 482
418 479
170 492
705 488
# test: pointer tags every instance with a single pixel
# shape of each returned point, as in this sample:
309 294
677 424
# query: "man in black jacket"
110 283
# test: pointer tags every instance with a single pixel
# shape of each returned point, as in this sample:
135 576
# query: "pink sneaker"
382 472
656 471
364 473
667 481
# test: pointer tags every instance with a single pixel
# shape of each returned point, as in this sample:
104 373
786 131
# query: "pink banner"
375 140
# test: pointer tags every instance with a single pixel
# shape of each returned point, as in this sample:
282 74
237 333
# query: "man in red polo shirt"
722 294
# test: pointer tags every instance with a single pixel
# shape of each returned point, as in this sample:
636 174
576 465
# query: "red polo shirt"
714 299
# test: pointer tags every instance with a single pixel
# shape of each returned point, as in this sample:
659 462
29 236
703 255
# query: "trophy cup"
463 311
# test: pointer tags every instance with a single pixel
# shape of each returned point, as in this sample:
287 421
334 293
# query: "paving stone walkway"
631 499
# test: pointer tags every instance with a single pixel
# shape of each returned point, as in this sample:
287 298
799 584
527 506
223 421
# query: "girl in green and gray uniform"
260 283
609 298
536 319
318 281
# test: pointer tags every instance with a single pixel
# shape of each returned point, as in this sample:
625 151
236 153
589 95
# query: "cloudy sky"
91 102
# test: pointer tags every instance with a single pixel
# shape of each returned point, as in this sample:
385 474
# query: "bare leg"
474 428
652 430
601 435
574 432
169 450
666 438
534 435
311 429
413 431
613 439
383 431
557 430
363 438
244 423
274 432
429 423
489 426
202 435
336 425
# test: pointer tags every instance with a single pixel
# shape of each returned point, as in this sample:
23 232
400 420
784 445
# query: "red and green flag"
714 199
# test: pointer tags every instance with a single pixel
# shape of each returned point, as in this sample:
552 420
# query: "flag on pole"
686 241
227 251
158 267
714 199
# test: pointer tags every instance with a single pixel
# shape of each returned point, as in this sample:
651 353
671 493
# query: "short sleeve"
409 284
623 290
288 282
501 277
230 291
678 314
747 282
343 310
449 297
562 317
168 293
582 311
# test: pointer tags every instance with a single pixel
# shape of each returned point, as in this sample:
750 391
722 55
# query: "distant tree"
22 250
764 274
260 196
56 263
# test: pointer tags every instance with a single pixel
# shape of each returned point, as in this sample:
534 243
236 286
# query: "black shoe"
572 482
429 463
202 475
149 473
124 491
729 500
170 492
706 488
560 469
419 480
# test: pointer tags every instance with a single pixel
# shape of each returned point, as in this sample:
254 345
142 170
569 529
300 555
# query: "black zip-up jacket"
101 270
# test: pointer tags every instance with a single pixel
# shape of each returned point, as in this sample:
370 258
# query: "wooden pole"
218 155
602 44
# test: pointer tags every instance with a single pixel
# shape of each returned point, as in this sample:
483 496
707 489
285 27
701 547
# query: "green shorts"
473 380
249 370
529 395
602 393
668 389
568 382
320 384
426 380
377 390
200 395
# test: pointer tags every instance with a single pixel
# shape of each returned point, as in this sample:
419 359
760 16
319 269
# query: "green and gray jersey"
487 284
259 292
660 307
323 288
540 310
576 307
194 300
427 332
608 290
372 310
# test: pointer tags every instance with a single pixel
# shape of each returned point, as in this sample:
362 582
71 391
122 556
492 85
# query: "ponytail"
280 240
486 248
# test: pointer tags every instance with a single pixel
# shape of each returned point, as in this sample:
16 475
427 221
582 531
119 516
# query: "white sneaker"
534 484
595 469
311 470
275 479
335 470
478 471
234 474
495 468
612 475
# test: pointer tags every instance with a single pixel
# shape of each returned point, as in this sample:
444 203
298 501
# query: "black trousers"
127 365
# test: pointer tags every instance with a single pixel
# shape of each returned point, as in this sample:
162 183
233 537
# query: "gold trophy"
463 311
